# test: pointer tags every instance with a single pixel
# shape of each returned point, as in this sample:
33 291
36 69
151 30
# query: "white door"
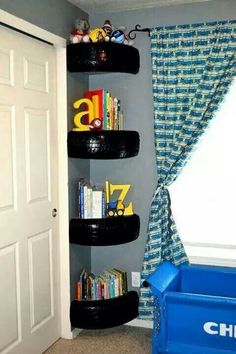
29 247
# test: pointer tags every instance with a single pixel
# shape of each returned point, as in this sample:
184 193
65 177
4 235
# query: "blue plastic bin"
197 309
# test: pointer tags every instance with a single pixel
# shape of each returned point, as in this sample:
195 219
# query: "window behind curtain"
204 195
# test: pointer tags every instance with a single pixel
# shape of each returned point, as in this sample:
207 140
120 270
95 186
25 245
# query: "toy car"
115 208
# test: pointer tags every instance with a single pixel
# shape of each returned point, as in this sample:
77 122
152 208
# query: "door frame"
59 44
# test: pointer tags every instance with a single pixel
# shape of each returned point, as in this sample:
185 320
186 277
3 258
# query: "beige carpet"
117 340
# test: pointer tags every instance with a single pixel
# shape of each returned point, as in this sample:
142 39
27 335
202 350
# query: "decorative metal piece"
138 29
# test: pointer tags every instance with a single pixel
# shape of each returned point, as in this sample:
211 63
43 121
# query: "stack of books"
91 201
107 109
111 283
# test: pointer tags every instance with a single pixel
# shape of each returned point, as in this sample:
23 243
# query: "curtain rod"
138 29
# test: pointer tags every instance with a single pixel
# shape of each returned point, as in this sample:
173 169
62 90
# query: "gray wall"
57 16
136 98
80 256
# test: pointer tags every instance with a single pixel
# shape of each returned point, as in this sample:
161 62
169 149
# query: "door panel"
37 155
6 67
7 158
40 270
29 247
35 74
10 324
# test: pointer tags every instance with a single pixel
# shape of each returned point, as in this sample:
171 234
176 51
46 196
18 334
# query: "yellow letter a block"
90 112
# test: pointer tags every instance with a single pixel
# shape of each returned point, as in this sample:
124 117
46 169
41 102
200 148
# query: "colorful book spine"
97 97
80 183
78 291
111 283
89 203
105 107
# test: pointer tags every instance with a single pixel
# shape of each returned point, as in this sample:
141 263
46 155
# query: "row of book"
107 108
111 283
91 201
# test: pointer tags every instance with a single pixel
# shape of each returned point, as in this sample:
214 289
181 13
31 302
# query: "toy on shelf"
117 207
97 35
107 33
80 32
107 28
80 123
120 36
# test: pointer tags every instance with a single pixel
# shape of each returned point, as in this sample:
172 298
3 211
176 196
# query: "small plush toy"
97 35
107 28
80 32
118 36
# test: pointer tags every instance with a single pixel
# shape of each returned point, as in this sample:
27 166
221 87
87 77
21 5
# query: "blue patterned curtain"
192 68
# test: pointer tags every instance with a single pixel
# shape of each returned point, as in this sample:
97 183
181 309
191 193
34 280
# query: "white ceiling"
100 6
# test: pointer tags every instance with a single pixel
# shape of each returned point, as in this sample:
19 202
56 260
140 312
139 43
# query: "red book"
97 96
78 291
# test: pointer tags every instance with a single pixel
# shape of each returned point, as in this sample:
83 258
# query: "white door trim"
63 220
30 28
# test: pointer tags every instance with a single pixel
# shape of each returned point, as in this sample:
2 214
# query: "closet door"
29 249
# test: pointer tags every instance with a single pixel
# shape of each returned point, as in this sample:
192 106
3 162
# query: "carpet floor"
117 340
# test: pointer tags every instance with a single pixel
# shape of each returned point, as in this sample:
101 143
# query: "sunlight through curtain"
192 68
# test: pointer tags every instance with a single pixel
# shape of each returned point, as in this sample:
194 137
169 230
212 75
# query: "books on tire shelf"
91 201
97 202
111 283
107 108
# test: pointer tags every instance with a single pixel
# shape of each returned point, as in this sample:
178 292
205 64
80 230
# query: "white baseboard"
140 323
75 332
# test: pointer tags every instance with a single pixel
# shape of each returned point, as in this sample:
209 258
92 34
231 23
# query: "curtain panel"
192 68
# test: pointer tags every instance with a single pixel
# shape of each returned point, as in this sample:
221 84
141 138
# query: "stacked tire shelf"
106 144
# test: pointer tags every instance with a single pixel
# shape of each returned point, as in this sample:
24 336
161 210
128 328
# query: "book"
89 204
78 291
124 280
115 113
108 110
97 204
116 281
119 281
81 199
111 282
97 97
83 286
105 109
79 185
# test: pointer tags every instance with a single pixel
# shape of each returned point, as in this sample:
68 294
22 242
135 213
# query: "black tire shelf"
104 144
102 57
98 314
94 58
104 232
